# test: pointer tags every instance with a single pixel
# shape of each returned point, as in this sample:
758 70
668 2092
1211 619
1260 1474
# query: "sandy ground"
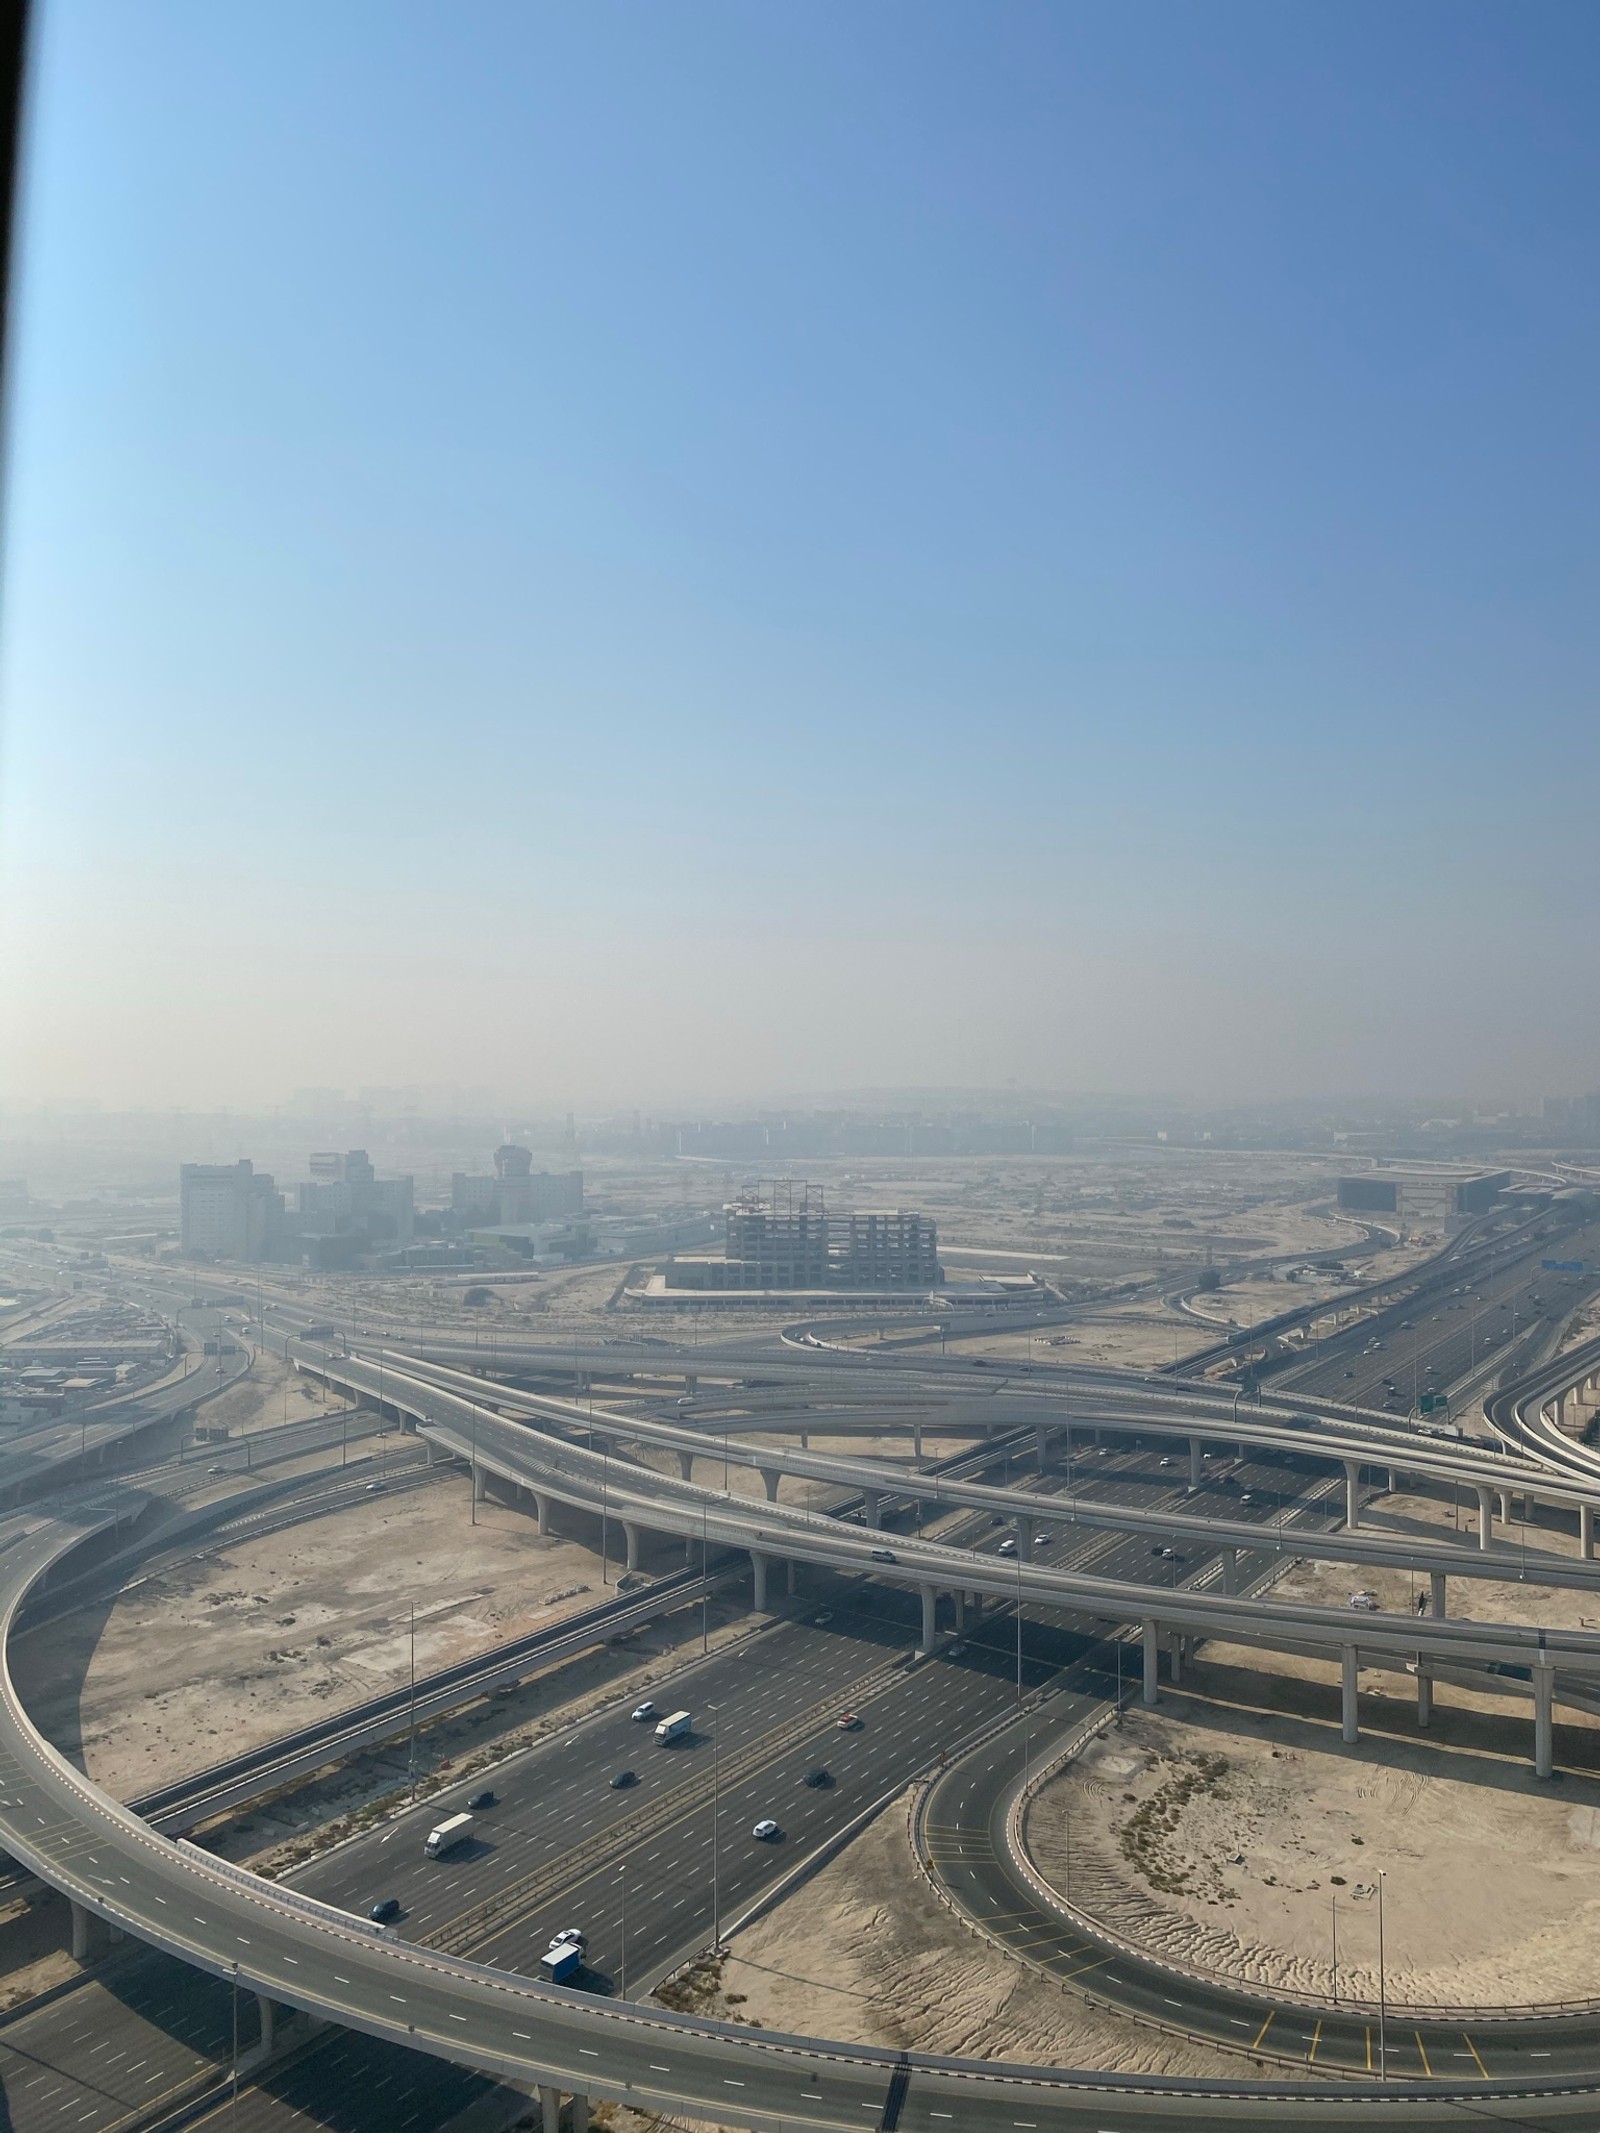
239 1647
866 1953
1220 1829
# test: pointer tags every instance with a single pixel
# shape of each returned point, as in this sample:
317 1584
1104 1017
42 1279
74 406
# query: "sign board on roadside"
1561 1266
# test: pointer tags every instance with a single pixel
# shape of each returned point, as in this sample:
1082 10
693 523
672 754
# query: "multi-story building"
788 1240
517 1193
228 1211
346 1198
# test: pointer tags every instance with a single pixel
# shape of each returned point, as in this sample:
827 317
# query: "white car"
642 1712
1365 1603
766 1829
1007 1547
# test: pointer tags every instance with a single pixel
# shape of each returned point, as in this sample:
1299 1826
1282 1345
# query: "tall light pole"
413 1699
474 1463
705 1577
1383 1993
622 1878
1335 1951
716 1810
1019 1621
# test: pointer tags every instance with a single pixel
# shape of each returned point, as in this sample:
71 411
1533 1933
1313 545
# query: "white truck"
673 1726
445 1836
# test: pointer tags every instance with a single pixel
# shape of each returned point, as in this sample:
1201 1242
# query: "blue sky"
658 553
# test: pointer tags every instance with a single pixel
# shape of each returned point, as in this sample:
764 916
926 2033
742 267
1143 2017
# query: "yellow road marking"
1422 2053
1471 2047
1311 2056
1261 2032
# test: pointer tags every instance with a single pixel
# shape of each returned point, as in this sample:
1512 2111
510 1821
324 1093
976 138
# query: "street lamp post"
413 1699
622 1880
1383 1993
716 1810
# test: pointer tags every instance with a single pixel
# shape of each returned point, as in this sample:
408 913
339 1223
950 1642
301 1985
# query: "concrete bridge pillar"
264 2013
1544 1761
870 1501
1024 1528
1152 1645
1436 1592
578 2112
758 1564
82 1923
1505 1507
1485 1516
685 1466
769 1481
790 1576
961 1609
1195 1455
1424 1694
1585 1531
630 1536
549 2109
1230 1570
1352 1493
930 1619
479 1478
541 1508
1349 1730
805 1441
1175 1657
1041 1446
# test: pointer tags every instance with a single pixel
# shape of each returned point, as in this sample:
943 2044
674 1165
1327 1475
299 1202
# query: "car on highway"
387 1908
1007 1547
954 1651
480 1800
1249 1496
821 1621
642 1711
882 1555
574 1936
622 1779
849 1723
1168 1555
766 1830
818 1779
374 1488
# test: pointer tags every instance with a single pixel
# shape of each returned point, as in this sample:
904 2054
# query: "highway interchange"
537 1864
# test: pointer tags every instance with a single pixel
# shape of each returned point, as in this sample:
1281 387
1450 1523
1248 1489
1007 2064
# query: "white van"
673 1726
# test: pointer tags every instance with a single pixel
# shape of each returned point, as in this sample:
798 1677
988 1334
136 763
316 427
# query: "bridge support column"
789 1578
1352 1494
1544 1760
1505 1507
758 1564
1041 1446
1024 1528
1485 1517
769 1481
916 1443
805 1441
961 1609
630 1536
1175 1658
479 1478
930 1619
1195 1456
1436 1591
685 1466
549 2109
264 2015
1230 1570
579 2112
870 1502
1152 1644
1424 1694
1349 1730
82 1921
1585 1531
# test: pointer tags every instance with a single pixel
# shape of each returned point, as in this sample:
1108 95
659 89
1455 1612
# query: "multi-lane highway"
506 1898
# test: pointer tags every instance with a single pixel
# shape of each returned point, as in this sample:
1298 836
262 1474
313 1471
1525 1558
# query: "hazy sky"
633 552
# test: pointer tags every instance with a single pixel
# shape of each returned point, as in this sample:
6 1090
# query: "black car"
622 1779
481 1799
817 1779
381 1913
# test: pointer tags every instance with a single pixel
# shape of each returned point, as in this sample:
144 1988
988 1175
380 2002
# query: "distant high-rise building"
346 1197
517 1193
228 1211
